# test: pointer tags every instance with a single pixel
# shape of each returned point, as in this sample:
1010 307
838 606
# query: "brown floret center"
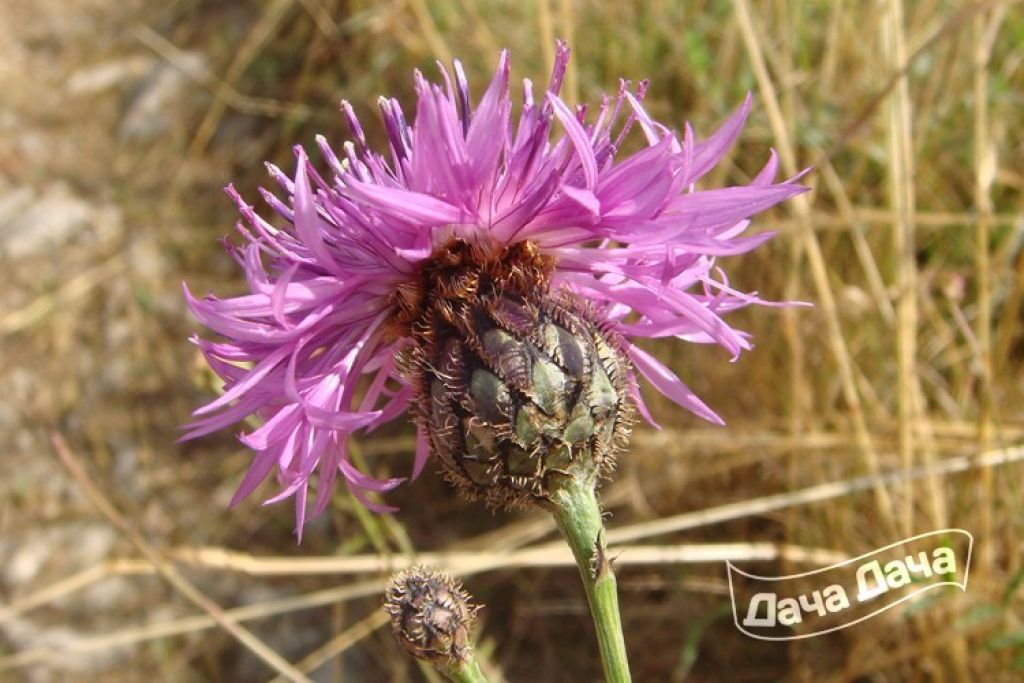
458 271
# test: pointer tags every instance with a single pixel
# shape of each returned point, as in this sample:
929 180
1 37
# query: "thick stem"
467 672
578 515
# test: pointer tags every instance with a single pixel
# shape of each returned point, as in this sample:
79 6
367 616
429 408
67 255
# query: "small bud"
431 616
518 385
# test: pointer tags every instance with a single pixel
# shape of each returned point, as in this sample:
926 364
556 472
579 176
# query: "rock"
152 109
98 78
72 546
61 640
32 224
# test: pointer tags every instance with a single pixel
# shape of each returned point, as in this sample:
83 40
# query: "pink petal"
422 453
579 138
711 150
405 205
665 381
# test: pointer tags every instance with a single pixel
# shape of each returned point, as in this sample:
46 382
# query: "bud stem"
576 510
466 672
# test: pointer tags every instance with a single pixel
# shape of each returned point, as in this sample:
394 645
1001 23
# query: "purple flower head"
310 349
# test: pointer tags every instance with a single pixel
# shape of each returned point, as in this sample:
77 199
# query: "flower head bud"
431 615
519 385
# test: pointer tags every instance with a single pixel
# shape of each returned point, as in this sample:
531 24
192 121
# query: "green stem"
467 672
578 516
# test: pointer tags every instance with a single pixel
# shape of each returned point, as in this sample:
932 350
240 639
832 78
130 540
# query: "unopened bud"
431 616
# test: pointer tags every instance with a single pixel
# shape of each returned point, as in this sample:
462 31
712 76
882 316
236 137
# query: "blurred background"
120 122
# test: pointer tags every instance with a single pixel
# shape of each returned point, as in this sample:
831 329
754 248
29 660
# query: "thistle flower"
490 275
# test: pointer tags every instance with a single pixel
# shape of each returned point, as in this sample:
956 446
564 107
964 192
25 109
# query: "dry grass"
891 408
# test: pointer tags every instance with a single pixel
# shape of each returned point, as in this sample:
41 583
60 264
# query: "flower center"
459 271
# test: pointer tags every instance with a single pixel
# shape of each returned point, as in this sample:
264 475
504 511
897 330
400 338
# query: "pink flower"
309 350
